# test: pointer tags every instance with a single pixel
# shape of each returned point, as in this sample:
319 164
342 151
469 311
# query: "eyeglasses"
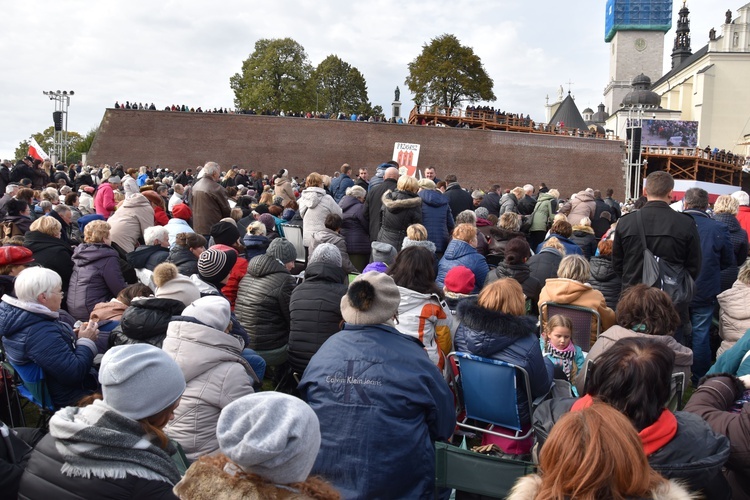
62 294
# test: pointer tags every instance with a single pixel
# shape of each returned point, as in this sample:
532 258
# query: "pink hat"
460 279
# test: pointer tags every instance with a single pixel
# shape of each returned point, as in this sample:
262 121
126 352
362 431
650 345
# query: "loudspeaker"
57 117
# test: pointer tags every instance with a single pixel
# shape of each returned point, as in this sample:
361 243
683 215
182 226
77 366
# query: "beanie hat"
216 263
742 197
261 208
172 285
283 250
288 214
212 310
12 255
378 267
140 380
225 233
326 253
88 218
182 211
460 279
383 252
268 221
372 299
482 213
271 434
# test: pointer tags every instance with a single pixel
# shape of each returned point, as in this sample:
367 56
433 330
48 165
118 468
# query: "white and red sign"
36 151
407 156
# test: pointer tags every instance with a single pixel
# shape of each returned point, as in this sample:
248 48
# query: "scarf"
97 441
565 358
655 436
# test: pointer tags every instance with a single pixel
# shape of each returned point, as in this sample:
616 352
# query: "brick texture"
479 158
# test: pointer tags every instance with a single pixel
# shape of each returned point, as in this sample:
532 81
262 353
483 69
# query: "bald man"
374 203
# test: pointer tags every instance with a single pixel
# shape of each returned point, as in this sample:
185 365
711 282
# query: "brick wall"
479 158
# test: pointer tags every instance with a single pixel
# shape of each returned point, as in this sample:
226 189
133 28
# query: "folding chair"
488 393
12 410
293 233
31 385
582 317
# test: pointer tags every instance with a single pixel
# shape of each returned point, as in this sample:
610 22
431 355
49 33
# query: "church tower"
681 50
635 32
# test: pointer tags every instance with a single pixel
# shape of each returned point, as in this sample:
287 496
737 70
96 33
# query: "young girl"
557 345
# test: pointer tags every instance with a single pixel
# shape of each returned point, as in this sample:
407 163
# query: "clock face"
640 44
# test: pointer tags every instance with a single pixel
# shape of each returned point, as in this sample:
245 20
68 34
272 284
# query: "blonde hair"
50 194
554 193
356 191
427 184
509 221
314 180
504 295
416 232
726 204
585 221
558 320
407 183
47 225
554 243
574 267
96 231
465 232
558 217
256 228
518 192
744 274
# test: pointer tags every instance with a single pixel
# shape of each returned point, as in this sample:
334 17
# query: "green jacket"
542 212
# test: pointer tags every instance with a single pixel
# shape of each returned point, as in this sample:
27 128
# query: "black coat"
458 199
584 237
315 311
531 286
184 259
544 264
145 321
491 202
374 205
401 209
148 256
52 253
605 279
526 205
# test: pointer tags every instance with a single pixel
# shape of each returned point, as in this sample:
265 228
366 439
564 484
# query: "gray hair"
153 233
211 169
466 217
61 209
356 191
574 267
696 198
34 281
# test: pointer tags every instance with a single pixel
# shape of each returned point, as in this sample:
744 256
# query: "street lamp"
60 119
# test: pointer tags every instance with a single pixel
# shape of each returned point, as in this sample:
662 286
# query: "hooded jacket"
498 240
184 259
528 488
582 206
531 286
426 317
334 238
145 321
133 217
315 312
513 339
209 203
339 185
584 237
176 226
255 244
148 256
544 264
215 373
401 209
104 200
262 305
96 278
314 207
282 187
491 202
437 218
460 253
605 279
354 226
734 315
566 291
570 246
52 253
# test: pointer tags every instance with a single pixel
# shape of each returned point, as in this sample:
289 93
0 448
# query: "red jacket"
238 272
744 217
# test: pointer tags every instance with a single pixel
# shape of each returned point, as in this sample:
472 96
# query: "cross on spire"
570 84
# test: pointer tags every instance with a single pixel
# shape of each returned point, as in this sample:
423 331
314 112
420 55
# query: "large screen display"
669 133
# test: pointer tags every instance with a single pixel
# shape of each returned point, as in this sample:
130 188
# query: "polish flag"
36 151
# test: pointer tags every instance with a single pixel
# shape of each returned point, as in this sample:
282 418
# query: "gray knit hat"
372 299
140 380
271 434
216 263
383 252
327 253
212 310
282 249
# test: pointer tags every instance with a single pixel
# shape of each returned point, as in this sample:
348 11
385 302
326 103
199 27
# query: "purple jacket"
354 226
96 278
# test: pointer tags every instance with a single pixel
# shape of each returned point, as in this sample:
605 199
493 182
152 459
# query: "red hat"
460 279
15 255
182 211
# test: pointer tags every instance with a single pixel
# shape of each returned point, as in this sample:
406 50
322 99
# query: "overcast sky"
184 52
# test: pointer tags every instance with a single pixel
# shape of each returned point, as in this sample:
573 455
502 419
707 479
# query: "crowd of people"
210 332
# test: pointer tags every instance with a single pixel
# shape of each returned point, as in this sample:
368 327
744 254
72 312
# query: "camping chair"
12 410
582 318
487 392
31 385
294 234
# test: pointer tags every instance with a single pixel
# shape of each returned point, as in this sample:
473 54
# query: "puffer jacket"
96 278
145 321
354 226
401 209
34 335
232 286
437 218
282 187
215 373
133 217
605 279
513 339
315 312
148 256
738 237
255 244
508 203
734 315
184 259
52 253
334 238
498 240
314 207
460 253
373 377
531 286
584 237
262 305
544 264
570 247
566 291
544 212
584 205
427 317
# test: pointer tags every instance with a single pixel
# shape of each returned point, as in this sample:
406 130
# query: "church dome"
587 111
600 116
641 95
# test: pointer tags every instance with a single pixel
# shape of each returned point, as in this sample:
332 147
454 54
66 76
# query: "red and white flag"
36 151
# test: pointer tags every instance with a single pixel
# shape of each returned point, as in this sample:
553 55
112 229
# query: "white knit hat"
212 310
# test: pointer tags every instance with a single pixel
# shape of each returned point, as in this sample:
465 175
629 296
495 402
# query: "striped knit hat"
215 264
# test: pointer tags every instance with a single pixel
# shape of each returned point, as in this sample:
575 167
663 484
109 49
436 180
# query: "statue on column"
397 94
728 20
712 35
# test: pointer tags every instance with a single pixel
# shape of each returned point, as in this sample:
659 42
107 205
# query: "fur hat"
182 211
271 434
225 233
216 263
460 279
212 310
326 253
170 284
383 252
283 250
372 299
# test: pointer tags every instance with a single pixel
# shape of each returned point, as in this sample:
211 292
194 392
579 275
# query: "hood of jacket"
347 202
519 272
457 249
88 253
327 236
311 196
584 196
149 317
255 241
135 201
433 198
602 269
280 181
414 243
565 291
683 355
579 230
37 240
320 271
198 348
107 311
263 265
730 221
411 299
544 197
138 258
488 332
398 201
502 234
179 255
734 301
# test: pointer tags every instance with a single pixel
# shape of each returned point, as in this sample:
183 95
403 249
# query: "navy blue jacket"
366 383
339 185
570 246
716 254
437 218
460 253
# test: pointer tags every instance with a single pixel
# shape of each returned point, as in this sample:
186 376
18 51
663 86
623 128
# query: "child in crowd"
557 345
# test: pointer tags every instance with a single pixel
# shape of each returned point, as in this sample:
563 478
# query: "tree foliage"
447 73
274 77
340 87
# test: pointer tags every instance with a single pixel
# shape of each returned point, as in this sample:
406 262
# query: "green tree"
46 139
340 87
274 77
447 73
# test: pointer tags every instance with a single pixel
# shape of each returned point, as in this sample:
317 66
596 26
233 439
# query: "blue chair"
487 391
582 317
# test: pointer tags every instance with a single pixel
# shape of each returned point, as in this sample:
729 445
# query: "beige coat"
565 291
209 203
683 360
734 318
130 220
282 187
216 374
